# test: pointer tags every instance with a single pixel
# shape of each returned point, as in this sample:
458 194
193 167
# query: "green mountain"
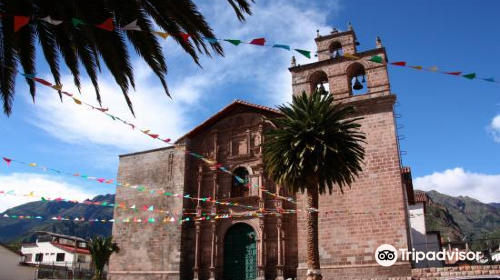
475 220
17 231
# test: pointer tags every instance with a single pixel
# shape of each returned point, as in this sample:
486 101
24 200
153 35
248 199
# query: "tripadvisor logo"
387 255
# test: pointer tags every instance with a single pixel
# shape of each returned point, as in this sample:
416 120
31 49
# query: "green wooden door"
240 253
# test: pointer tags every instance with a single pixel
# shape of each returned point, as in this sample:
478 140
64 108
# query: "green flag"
470 76
377 59
43 199
304 53
234 42
77 21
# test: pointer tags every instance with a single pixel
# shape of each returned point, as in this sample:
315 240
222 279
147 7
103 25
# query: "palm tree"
75 42
101 249
314 147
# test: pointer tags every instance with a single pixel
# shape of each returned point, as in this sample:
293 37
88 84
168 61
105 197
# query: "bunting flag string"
140 188
379 59
109 25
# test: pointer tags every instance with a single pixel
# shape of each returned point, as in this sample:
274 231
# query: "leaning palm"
314 147
101 249
90 46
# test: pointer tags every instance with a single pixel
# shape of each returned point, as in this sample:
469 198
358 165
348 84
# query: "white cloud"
192 88
41 185
457 182
494 128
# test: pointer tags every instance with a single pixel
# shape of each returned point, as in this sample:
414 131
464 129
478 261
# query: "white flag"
52 21
132 26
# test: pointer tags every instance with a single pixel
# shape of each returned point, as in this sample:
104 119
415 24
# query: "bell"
321 88
363 81
357 85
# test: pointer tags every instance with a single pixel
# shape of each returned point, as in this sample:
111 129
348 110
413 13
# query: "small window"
60 257
39 257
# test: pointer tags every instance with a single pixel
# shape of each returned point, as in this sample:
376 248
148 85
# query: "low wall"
439 273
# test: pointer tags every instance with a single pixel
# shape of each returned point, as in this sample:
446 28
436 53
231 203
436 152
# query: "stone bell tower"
373 211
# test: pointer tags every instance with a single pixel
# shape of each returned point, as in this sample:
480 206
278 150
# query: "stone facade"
370 213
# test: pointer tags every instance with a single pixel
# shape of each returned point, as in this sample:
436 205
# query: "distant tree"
315 146
79 43
101 249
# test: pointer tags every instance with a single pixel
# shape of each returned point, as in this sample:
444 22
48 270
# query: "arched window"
335 50
356 79
241 181
319 81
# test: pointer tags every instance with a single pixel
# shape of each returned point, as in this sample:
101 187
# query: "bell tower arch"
342 68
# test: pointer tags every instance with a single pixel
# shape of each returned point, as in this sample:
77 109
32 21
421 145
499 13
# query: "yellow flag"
77 101
31 194
351 56
417 67
57 87
161 34
433 69
32 164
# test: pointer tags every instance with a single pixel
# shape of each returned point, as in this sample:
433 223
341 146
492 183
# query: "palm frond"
315 140
87 44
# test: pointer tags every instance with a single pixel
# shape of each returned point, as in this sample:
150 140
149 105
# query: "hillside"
475 219
22 230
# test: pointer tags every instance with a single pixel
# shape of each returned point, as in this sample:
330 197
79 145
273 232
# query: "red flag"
20 21
399 63
454 73
67 93
8 161
43 82
102 109
107 25
167 140
110 181
131 125
154 136
258 41
185 37
101 180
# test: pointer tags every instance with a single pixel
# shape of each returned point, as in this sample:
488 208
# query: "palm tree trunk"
313 264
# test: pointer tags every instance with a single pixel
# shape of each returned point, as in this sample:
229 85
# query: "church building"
234 230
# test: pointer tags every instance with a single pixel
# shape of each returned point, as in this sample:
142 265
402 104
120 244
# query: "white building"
421 239
56 249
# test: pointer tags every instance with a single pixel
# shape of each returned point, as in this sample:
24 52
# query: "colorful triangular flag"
77 21
377 59
470 76
211 40
258 41
107 25
161 34
233 41
20 21
7 160
51 20
132 26
280 46
185 37
399 63
304 53
351 56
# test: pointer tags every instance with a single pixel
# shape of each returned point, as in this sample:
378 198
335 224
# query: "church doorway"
240 253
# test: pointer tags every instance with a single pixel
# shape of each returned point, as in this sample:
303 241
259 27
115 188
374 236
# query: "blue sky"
451 125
